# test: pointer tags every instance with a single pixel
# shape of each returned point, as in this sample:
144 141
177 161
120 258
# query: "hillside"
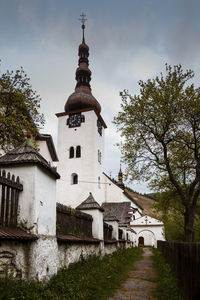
145 202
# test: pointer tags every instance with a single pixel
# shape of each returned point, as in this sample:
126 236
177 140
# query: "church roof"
89 203
26 154
121 210
82 97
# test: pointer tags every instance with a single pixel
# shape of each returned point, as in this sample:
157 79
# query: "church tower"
80 139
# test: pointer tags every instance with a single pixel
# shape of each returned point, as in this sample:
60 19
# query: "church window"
71 152
99 156
74 178
99 184
78 151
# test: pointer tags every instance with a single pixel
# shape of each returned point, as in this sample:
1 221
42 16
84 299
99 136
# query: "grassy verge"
167 284
93 279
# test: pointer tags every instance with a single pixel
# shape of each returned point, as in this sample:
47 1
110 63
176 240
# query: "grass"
92 279
167 284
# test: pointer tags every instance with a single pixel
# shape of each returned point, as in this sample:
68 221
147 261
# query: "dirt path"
140 281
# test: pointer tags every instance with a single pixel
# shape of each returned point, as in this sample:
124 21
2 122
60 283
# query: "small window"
71 152
99 156
78 151
99 184
74 178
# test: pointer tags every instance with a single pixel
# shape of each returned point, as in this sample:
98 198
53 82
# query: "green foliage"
161 137
167 284
95 278
19 109
172 216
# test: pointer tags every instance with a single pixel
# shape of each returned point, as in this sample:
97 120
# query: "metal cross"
83 18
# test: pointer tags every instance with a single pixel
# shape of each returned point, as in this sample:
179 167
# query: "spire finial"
83 20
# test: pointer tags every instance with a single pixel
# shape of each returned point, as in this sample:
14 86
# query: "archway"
141 240
147 238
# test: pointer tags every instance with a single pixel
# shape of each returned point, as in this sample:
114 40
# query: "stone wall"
41 259
72 252
15 258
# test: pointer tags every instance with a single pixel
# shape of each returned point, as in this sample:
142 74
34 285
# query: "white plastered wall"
97 223
87 166
37 205
44 151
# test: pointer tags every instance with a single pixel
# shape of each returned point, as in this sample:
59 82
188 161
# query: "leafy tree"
161 137
19 109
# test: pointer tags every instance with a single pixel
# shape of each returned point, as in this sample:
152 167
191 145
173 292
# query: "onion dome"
82 97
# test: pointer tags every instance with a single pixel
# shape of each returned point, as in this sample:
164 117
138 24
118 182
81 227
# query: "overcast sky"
129 40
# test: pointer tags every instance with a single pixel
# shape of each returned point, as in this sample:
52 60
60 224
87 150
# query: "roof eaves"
50 145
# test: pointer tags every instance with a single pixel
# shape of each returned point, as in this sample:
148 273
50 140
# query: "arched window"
78 151
74 178
71 152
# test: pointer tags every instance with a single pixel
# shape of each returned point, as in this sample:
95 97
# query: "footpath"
140 281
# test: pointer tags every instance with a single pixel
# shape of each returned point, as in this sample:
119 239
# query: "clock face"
74 120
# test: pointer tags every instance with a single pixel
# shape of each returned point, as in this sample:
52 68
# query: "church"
80 149
53 216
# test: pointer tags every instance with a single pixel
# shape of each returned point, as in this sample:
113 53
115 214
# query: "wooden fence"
9 193
71 221
107 231
184 258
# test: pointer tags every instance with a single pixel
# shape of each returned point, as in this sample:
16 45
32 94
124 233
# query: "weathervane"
83 20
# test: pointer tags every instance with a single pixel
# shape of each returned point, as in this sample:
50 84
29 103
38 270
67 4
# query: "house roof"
26 154
11 233
89 203
120 210
76 239
50 145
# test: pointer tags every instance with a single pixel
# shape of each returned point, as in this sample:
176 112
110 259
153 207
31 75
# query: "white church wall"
112 192
151 234
87 166
150 229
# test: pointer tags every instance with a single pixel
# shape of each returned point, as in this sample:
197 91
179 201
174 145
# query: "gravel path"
140 281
